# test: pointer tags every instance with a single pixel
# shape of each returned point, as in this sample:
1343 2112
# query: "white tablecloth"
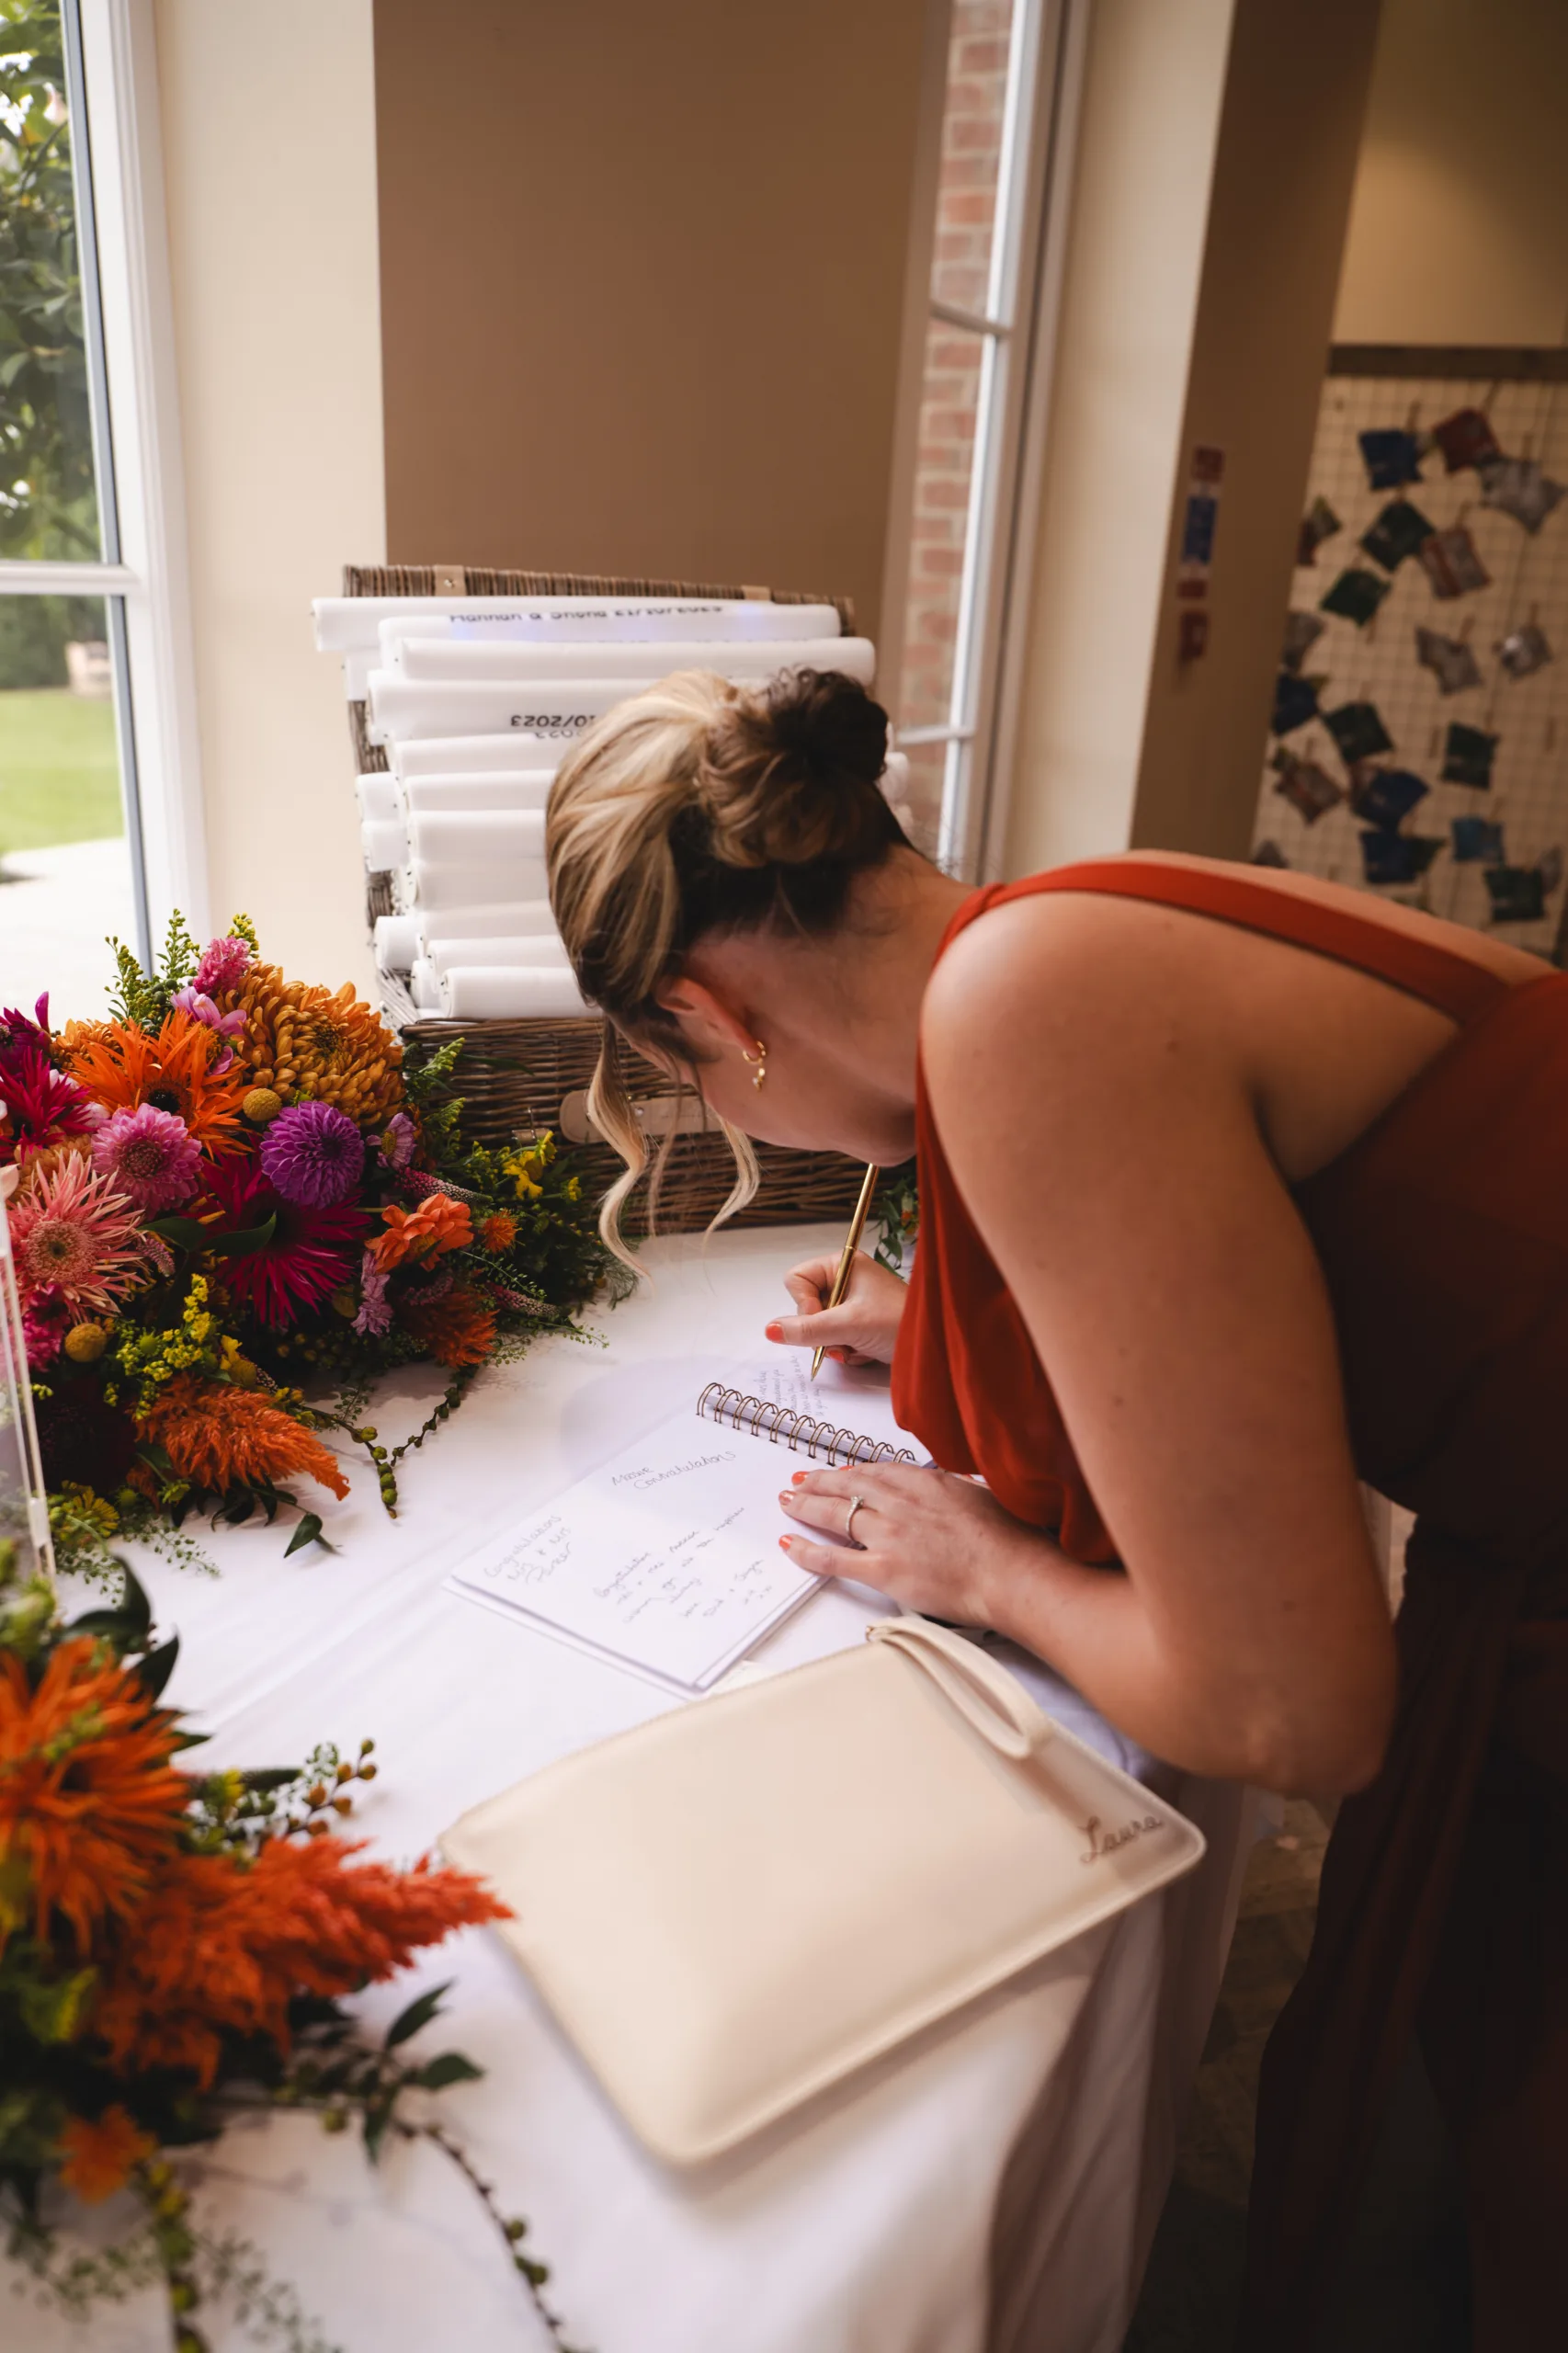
994 2188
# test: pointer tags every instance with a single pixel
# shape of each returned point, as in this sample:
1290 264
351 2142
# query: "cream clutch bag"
735 1906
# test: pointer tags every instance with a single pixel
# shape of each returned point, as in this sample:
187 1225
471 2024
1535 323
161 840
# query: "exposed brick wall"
972 142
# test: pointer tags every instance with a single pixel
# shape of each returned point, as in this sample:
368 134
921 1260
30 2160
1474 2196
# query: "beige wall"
269 164
1153 80
1217 154
643 277
1284 170
1459 232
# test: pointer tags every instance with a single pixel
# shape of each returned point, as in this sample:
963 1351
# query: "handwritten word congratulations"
642 1479
1104 1842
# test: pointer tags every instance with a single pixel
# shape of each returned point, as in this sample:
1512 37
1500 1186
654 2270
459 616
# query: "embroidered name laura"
1103 1842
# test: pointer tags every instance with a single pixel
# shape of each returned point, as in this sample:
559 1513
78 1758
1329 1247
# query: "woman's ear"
711 1024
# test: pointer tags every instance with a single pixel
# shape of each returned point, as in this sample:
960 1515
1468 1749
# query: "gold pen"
846 1256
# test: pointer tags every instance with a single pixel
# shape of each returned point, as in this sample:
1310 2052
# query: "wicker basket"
513 1075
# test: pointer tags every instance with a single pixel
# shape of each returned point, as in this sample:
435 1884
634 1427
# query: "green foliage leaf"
451 2067
307 1533
418 2014
154 1671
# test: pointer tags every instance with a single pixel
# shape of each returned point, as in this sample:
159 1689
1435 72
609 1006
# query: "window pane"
49 504
982 36
927 768
949 406
64 864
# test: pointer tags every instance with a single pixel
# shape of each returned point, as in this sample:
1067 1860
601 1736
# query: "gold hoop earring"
758 1060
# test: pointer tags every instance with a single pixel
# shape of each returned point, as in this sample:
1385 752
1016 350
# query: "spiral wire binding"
841 1449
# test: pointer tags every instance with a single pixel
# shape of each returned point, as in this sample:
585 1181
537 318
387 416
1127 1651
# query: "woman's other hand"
863 1327
936 1543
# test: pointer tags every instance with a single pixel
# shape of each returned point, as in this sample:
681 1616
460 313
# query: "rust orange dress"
1443 1914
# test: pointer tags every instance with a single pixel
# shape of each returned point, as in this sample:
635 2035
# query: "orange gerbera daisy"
218 1438
438 1226
99 2151
224 1945
120 1067
459 1329
88 1799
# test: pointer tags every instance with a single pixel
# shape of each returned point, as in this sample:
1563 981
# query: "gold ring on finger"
856 1502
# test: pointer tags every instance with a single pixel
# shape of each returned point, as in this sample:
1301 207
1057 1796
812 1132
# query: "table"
990 2191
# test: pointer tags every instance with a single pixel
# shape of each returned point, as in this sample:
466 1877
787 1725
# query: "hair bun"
790 773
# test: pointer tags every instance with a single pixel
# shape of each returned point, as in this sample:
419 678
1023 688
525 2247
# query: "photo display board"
1419 744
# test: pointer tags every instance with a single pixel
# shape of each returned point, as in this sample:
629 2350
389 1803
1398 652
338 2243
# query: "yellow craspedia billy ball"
84 1343
261 1105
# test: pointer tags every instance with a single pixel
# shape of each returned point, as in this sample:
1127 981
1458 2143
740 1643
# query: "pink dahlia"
151 1155
75 1235
311 1253
313 1153
222 965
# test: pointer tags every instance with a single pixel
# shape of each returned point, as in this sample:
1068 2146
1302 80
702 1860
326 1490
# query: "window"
94 671
1011 72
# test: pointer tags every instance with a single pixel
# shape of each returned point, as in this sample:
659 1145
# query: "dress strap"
1451 983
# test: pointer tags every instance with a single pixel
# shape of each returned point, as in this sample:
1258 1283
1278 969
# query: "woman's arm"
1095 1110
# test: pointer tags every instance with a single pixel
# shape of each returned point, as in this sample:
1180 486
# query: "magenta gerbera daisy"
75 1234
41 1104
310 1253
151 1155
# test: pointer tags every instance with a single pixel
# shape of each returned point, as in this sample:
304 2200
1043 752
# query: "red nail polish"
798 1479
773 1331
783 1543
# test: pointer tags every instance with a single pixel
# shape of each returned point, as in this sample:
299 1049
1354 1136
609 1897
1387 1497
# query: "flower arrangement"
238 1202
176 1949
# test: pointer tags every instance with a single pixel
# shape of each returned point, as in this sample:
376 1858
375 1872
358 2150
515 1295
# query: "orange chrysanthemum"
499 1231
88 1799
309 1044
457 1330
438 1226
121 1067
224 1945
100 2152
218 1437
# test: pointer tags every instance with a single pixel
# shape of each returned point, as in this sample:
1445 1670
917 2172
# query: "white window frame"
1018 326
112 97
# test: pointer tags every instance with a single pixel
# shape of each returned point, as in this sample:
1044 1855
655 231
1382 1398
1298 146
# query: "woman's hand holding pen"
862 1329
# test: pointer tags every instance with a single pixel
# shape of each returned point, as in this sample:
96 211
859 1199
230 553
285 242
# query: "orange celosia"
457 1330
88 1799
220 1437
499 1231
100 2153
222 1945
438 1226
120 1067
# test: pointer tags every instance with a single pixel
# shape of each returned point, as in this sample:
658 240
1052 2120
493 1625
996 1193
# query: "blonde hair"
695 807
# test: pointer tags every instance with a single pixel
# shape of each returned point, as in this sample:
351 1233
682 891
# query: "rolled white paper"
376 796
495 992
474 836
500 948
462 754
343 622
425 987
518 788
470 658
423 888
516 918
384 843
397 942
555 709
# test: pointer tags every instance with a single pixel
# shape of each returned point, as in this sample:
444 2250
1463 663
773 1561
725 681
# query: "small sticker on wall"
1308 788
1295 701
1517 894
1396 858
1524 650
1385 796
1466 439
1302 631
